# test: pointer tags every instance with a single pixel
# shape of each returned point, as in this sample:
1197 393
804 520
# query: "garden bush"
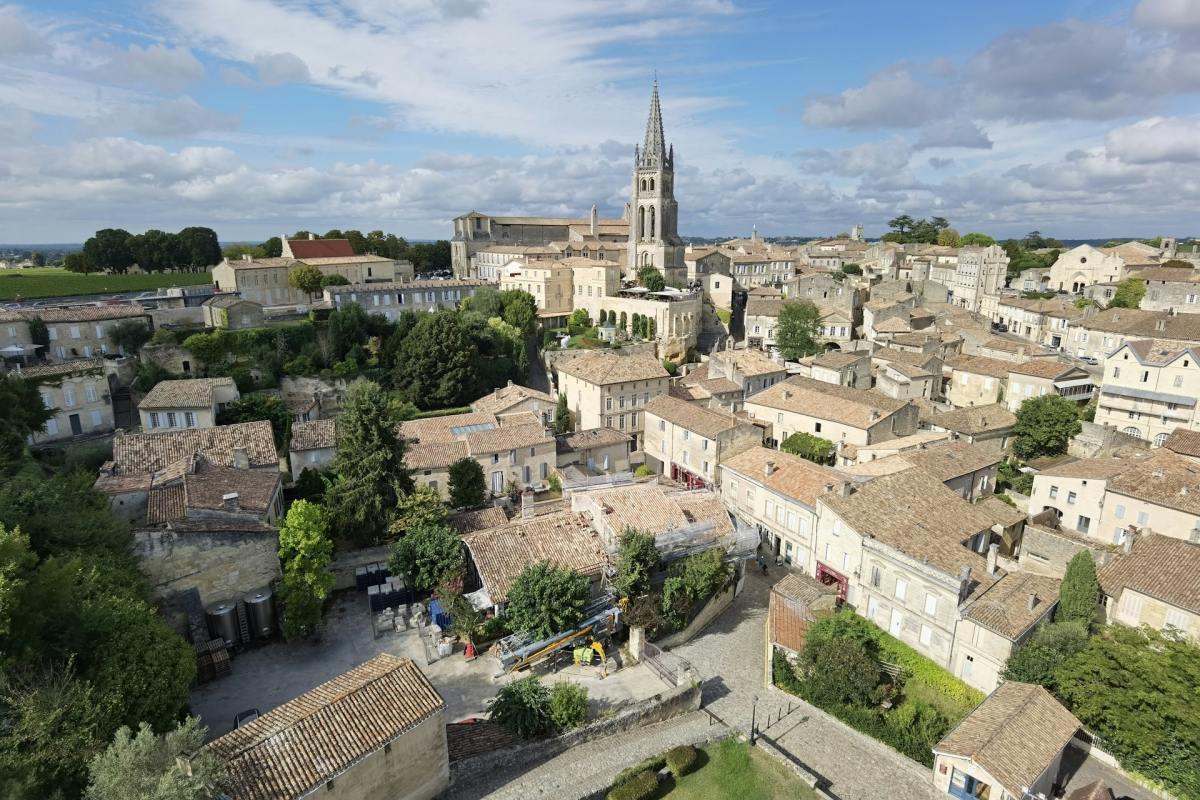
568 705
523 707
642 471
642 786
651 764
682 760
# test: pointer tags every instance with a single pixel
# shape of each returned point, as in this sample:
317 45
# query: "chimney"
1160 325
875 414
241 458
992 555
769 469
229 501
1127 544
847 489
964 582
595 221
1032 601
828 488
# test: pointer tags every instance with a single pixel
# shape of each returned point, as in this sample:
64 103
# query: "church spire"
654 148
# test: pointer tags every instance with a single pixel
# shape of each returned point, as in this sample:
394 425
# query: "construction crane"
520 650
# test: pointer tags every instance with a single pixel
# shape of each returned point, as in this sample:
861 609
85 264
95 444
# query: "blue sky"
263 116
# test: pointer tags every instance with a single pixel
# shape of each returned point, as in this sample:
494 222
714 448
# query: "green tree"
37 258
307 278
839 671
371 475
485 301
428 556
623 324
1079 595
799 328
421 506
109 250
198 247
272 248
465 619
568 705
637 562
562 416
1135 689
147 766
579 319
976 240
210 348
545 600
810 447
1129 294
349 325
1045 426
1040 656
306 552
520 309
468 487
437 364
334 279
24 414
523 707
254 407
948 237
77 262
652 279
129 335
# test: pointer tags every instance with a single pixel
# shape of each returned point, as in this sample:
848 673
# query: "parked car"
1090 360
246 717
999 327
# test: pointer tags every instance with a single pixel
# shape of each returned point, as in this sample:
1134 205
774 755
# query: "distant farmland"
29 284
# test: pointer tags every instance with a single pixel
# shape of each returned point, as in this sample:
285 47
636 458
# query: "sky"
1080 119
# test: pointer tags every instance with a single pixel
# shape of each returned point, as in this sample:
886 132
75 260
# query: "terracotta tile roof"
1158 566
1100 469
1042 368
259 263
63 368
1097 790
86 313
506 397
318 261
592 437
563 539
657 509
973 420
320 248
750 363
1184 442
759 306
366 288
951 459
1165 479
505 438
294 748
702 421
1004 606
318 434
914 513
792 476
892 325
604 368
888 465
980 365
147 453
189 393
1158 351
1145 324
434 455
470 739
838 359
1001 512
908 370
165 503
789 608
858 408
441 429
1169 275
904 356
1014 734
903 443
482 519
208 484
1010 346
227 301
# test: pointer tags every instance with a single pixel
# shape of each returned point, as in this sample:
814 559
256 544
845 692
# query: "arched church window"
643 184
641 230
652 184
651 222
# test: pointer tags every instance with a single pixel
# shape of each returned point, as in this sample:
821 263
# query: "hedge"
642 786
681 760
652 764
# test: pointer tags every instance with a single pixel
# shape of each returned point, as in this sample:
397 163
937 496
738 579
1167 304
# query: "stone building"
599 450
536 238
1083 266
837 413
514 398
230 312
377 732
1075 492
1161 492
549 282
1099 334
76 331
689 442
1041 376
1170 289
393 299
188 403
1155 582
313 446
976 380
980 271
1150 389
606 390
654 213
675 314
990 426
80 394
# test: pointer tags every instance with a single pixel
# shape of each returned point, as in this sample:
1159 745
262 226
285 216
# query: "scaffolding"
521 650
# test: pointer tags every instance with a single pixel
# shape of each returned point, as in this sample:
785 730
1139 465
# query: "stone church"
647 230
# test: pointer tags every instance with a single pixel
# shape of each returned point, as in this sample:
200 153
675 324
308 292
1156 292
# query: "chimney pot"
769 468
241 458
230 501
1127 544
1032 601
992 556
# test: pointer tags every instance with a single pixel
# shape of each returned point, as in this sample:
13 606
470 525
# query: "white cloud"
17 37
156 66
891 99
1156 140
955 133
275 69
181 116
1167 14
871 159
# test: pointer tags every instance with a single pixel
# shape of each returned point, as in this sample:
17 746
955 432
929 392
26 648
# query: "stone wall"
413 767
659 708
712 609
1046 552
1096 441
345 563
219 565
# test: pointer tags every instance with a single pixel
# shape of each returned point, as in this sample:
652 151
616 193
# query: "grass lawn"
28 284
735 769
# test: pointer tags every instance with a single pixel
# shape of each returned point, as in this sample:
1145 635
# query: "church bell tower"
654 215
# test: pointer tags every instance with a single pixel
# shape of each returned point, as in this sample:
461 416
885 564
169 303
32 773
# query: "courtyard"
269 675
